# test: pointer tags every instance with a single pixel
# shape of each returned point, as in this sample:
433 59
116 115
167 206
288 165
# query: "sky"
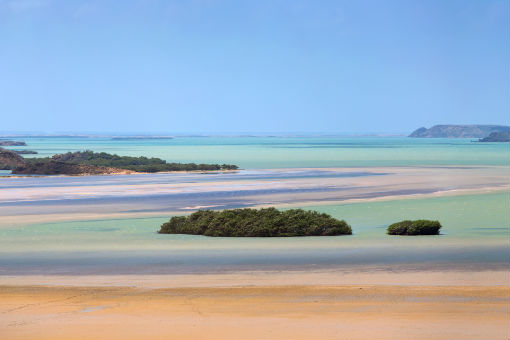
252 66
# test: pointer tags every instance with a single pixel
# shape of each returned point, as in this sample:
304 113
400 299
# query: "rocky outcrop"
458 131
62 168
10 159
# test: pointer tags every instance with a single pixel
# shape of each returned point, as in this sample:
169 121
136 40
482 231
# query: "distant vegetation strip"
266 222
138 164
25 152
141 138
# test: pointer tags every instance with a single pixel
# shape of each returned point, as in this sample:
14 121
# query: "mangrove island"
96 163
413 228
265 222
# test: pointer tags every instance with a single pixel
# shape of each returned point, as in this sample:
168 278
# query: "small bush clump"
417 227
268 222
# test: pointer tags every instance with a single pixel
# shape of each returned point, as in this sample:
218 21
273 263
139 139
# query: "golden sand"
265 312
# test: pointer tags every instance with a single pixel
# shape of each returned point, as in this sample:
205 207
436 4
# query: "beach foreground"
276 312
268 309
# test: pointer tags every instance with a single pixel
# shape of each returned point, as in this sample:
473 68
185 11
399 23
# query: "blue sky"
252 66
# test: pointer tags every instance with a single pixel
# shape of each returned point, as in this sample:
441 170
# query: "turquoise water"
463 217
476 227
475 232
285 152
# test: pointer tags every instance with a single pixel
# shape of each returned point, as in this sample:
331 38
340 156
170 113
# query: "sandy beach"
357 304
265 312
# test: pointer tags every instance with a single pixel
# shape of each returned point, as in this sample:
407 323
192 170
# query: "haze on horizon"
252 66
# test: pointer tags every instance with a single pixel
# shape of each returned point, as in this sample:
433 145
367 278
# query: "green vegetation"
418 227
138 164
268 222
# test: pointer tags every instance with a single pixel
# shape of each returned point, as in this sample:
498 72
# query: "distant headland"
459 131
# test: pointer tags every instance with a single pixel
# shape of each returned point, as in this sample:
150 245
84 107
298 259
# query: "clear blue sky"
252 66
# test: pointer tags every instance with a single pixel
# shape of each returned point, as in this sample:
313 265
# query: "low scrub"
417 227
268 222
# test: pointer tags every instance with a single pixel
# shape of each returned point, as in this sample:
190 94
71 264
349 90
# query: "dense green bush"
268 222
138 164
418 227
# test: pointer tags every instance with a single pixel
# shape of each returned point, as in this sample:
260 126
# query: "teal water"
288 152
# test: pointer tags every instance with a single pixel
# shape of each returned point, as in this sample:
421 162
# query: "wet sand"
25 200
359 304
264 312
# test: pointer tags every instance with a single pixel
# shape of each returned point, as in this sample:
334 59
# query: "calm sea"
289 152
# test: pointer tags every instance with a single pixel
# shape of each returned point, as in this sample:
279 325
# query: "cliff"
458 131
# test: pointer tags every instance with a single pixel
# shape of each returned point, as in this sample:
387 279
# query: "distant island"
414 228
142 137
92 163
266 222
11 143
458 131
497 137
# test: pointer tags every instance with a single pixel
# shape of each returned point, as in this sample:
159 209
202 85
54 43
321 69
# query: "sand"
162 195
444 304
265 312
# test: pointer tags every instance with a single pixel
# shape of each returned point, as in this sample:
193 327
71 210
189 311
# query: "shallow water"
475 232
476 227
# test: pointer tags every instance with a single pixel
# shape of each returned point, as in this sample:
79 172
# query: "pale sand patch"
276 312
17 220
106 201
